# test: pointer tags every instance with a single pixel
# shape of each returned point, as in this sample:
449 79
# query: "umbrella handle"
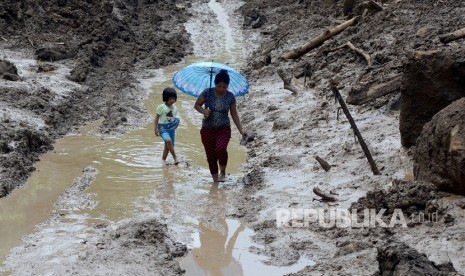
211 77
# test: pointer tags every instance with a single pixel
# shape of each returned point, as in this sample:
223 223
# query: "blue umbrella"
196 77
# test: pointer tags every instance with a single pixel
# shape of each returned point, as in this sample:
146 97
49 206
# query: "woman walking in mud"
216 126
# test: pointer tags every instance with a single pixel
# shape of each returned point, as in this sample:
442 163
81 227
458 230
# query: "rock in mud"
45 67
432 80
8 71
254 19
54 53
411 197
79 73
440 153
281 124
401 260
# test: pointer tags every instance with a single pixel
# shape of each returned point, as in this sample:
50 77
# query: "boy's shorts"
165 135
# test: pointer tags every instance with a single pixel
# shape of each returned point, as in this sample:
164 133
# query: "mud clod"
440 153
399 259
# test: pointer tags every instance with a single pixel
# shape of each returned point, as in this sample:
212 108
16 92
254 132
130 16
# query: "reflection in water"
215 255
166 190
222 245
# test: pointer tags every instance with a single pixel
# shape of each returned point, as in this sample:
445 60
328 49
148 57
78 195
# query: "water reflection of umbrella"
196 77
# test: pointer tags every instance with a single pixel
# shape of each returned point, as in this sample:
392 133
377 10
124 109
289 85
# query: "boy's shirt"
166 114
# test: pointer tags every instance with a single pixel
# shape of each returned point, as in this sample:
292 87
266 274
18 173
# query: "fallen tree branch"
446 38
375 90
287 82
349 44
359 51
30 41
323 196
424 54
323 163
317 41
364 146
275 44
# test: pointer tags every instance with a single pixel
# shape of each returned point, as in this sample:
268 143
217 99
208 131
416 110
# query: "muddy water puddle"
221 245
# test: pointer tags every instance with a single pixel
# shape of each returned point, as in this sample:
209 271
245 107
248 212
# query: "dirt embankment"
292 128
100 46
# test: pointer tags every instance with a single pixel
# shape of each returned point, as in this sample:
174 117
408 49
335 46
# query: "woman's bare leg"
222 175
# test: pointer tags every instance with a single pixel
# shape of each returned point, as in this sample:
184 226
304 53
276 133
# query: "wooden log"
317 41
374 90
446 38
364 146
323 163
287 82
324 197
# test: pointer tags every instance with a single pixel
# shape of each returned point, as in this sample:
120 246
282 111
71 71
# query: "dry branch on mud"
324 197
317 41
351 46
325 165
446 38
287 82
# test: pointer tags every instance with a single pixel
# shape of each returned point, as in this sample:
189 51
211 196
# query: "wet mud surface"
289 130
292 129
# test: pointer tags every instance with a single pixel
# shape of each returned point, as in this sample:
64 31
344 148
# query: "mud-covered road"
98 47
65 64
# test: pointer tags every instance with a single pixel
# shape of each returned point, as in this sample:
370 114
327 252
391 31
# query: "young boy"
166 122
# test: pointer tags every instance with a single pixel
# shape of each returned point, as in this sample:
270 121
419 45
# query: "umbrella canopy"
196 77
